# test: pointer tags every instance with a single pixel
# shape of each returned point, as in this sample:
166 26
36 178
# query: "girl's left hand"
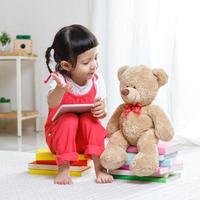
98 110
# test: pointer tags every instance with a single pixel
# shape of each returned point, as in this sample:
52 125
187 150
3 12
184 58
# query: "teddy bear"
137 121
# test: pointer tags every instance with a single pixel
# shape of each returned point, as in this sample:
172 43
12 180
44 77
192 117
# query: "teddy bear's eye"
134 87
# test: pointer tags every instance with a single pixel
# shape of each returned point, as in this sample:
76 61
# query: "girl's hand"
98 110
61 83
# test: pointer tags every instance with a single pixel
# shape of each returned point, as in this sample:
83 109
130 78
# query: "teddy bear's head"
140 84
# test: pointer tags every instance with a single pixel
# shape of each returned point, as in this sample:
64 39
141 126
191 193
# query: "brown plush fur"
138 84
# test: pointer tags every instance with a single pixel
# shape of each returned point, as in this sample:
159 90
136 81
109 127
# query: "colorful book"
148 178
131 157
161 171
54 172
45 154
168 156
72 163
163 148
34 165
167 162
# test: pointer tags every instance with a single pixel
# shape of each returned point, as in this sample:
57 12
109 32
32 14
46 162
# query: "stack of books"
169 167
45 164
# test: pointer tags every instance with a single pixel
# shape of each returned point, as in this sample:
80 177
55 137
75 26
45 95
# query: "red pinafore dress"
73 133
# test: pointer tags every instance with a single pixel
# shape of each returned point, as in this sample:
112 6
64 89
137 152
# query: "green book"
147 178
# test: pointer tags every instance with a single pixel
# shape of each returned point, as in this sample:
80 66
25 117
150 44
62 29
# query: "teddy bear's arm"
163 127
113 123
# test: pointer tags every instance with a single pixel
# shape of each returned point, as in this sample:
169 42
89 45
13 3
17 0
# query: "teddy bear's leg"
146 161
115 155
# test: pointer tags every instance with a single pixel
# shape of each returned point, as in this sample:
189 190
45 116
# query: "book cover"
168 162
75 108
34 165
54 172
148 178
72 163
161 171
45 154
131 157
163 148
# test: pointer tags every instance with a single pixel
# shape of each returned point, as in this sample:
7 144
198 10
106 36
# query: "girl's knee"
87 117
69 119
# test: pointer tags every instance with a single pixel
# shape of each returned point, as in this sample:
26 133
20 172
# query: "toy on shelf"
23 44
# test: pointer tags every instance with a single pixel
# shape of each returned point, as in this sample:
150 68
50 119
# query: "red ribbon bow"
132 108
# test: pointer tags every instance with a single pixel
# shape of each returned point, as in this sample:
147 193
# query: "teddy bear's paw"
143 171
113 158
144 166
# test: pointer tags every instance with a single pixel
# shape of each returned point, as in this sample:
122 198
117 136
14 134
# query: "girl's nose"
94 64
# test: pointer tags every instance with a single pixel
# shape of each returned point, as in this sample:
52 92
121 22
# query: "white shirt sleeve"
100 87
99 84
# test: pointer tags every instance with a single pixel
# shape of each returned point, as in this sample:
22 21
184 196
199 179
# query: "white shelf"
19 114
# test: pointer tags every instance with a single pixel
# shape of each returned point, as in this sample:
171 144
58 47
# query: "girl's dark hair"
69 42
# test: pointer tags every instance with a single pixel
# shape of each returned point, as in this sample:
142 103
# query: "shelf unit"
20 115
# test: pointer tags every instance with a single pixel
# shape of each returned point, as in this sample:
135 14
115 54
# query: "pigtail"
48 56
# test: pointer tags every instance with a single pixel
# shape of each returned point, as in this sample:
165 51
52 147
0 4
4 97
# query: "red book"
72 163
164 148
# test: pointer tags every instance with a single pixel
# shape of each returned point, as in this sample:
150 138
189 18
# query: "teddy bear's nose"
125 92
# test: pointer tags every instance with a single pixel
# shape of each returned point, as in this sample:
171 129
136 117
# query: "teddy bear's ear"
121 70
161 76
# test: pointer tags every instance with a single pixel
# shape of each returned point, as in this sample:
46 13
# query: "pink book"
163 148
161 171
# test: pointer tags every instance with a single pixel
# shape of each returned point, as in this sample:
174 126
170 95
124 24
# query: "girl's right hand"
61 83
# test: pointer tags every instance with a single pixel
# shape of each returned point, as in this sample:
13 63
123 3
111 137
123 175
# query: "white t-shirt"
81 90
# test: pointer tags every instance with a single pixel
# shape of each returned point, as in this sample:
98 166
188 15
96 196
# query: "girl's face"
86 66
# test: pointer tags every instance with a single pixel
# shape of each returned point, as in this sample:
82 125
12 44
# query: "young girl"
75 81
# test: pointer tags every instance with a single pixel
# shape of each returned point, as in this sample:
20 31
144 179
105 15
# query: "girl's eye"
86 63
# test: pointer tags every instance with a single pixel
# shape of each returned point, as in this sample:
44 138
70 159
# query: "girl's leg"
63 176
61 141
101 174
90 140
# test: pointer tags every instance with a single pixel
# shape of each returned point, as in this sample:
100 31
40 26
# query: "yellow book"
45 154
54 172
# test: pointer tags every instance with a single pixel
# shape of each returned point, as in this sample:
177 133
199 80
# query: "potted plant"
5 105
5 40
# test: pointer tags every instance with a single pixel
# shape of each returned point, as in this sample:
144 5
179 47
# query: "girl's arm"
55 96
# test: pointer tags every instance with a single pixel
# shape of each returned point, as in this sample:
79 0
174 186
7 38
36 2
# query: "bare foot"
63 178
103 177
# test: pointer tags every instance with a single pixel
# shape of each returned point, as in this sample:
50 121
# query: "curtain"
161 34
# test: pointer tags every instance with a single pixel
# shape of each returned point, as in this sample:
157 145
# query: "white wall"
41 20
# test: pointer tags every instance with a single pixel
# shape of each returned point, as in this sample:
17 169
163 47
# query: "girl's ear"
66 65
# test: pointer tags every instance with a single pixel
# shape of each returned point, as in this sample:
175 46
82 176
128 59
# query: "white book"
34 165
74 108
